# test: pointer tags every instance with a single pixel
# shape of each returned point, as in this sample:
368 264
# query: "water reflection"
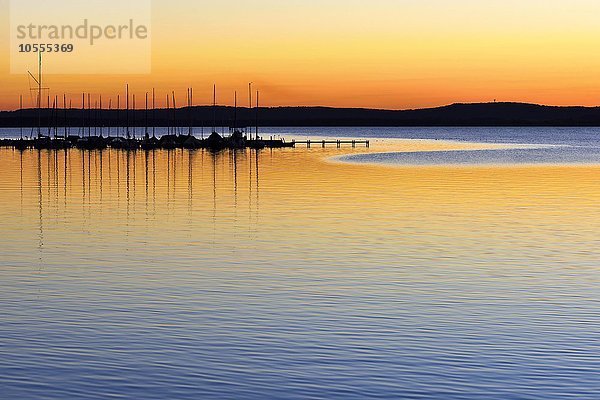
280 274
124 191
104 175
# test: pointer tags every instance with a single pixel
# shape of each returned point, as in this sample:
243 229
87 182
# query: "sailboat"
190 141
214 141
257 143
45 141
237 140
149 143
41 140
21 144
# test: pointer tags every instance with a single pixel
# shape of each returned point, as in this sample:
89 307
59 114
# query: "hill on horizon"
458 114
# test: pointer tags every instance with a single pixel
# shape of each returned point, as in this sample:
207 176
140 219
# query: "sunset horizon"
300 199
393 55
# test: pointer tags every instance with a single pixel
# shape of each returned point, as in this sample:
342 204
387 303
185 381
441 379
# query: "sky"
395 54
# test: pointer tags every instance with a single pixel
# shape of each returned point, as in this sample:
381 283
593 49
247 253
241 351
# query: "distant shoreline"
455 115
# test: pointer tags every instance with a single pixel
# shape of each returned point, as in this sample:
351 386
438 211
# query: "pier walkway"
324 143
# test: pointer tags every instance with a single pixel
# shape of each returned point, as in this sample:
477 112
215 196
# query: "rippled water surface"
290 274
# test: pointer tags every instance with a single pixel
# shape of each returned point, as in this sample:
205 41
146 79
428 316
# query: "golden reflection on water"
295 195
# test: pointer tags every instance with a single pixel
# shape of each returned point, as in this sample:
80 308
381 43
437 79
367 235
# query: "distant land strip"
478 114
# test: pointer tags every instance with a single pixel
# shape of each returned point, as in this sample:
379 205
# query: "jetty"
215 142
324 143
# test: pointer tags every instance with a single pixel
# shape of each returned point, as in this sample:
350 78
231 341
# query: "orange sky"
351 53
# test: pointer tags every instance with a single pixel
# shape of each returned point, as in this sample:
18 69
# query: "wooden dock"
324 143
214 142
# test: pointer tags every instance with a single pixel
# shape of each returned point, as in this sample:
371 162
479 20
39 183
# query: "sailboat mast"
146 117
188 112
175 130
235 111
109 122
191 111
55 116
90 114
250 95
65 113
250 105
21 113
133 119
82 115
118 115
153 113
99 114
127 111
214 108
167 115
256 114
39 105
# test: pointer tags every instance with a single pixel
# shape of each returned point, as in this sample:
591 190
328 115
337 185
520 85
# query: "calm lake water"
441 263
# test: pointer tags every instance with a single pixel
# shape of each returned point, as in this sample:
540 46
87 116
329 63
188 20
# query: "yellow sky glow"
378 54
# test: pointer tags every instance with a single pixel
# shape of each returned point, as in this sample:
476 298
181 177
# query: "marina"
214 142
54 125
